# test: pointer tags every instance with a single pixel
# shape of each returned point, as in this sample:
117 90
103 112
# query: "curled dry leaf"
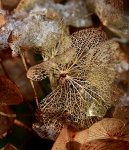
6 119
65 136
112 15
9 92
83 75
105 145
9 147
70 138
108 128
9 4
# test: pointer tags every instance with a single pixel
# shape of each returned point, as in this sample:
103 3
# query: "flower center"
63 76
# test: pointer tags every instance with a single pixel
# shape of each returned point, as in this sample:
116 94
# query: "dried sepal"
84 79
107 128
48 126
88 38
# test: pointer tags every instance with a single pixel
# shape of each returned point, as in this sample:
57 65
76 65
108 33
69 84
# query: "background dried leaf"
65 136
105 145
69 137
122 113
9 92
9 4
16 72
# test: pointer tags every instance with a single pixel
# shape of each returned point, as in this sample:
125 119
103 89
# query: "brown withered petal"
9 92
65 136
105 145
69 137
107 128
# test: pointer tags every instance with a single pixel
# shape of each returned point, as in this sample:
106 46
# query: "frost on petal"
73 12
39 33
6 30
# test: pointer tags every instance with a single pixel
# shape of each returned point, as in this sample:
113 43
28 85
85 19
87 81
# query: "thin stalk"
20 124
8 115
31 82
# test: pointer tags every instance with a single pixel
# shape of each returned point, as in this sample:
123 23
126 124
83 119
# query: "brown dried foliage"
9 92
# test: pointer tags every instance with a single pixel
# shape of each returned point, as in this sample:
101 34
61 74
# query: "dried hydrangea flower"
40 33
112 15
84 76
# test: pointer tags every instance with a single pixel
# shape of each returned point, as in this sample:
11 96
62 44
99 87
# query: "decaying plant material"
112 15
109 133
83 77
73 12
82 68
